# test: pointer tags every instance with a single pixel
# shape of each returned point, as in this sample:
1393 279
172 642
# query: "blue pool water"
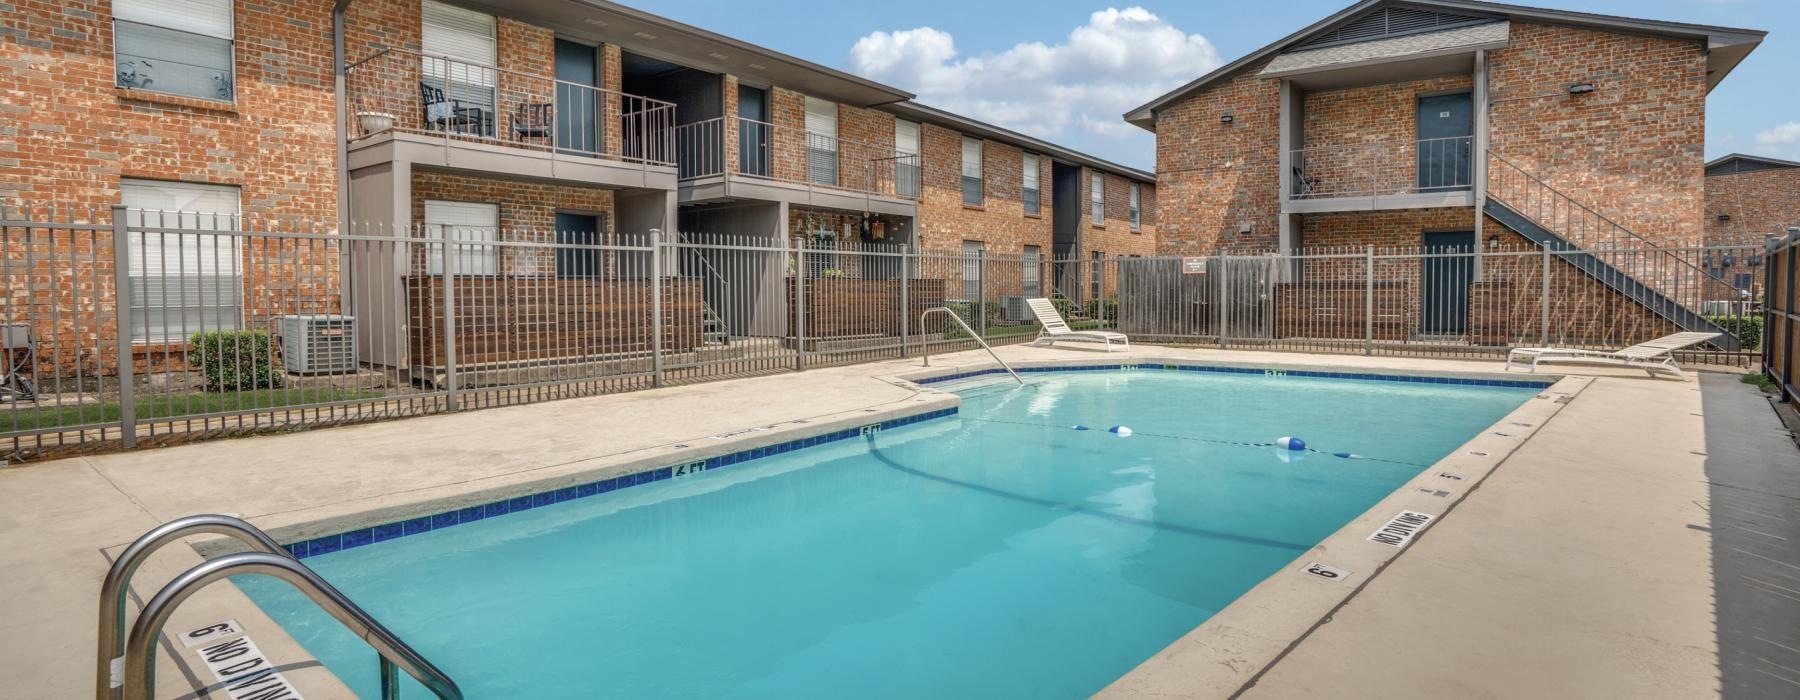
995 554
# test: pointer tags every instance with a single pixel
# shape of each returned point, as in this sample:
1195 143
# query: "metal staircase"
714 331
1584 239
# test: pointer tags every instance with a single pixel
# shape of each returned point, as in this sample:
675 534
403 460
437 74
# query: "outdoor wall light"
1580 88
1227 119
1724 217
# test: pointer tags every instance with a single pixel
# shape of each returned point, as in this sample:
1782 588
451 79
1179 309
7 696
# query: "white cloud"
1078 87
1781 141
1783 135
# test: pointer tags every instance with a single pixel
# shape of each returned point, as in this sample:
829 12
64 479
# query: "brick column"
729 123
612 79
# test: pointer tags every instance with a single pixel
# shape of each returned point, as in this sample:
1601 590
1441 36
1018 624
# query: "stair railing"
1595 233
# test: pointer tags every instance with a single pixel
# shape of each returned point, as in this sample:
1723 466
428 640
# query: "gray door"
1446 136
579 229
753 131
1449 266
578 105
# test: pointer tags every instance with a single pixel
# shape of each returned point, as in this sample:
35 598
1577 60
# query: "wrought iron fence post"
1224 301
656 308
981 292
446 264
1369 301
905 302
800 305
122 320
1544 330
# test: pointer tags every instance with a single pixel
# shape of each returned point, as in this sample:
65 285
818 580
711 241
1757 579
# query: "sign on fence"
1193 266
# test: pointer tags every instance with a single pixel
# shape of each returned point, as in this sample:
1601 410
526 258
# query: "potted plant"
374 122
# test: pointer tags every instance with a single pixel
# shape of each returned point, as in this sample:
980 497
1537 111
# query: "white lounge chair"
1056 329
1654 357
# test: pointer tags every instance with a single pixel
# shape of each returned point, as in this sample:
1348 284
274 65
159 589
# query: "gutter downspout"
338 9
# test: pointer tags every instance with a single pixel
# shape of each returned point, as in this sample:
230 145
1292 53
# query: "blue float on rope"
1081 427
1290 443
1120 430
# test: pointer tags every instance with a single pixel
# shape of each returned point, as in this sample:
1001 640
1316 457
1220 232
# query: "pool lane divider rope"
1214 441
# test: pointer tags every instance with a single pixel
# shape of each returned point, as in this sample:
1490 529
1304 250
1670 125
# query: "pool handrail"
925 351
111 632
135 673
140 647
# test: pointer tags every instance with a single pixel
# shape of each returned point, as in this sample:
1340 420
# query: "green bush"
235 360
1109 306
1063 305
1748 329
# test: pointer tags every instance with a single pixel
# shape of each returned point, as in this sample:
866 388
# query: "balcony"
1382 175
735 158
444 112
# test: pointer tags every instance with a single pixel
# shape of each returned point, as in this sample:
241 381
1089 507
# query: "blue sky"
970 57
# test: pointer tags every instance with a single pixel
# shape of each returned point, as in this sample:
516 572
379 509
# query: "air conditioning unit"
1014 309
318 344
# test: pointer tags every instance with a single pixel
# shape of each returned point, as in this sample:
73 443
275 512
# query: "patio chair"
444 113
532 120
1056 329
1654 357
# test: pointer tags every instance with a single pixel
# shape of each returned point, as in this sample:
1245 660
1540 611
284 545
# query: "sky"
1065 70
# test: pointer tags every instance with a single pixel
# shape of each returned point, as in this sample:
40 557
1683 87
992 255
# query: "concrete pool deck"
1582 566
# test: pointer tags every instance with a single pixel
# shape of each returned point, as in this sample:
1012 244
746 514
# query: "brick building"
1440 126
1748 199
551 120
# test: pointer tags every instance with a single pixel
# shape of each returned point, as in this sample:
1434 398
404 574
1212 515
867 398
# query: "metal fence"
134 328
1781 327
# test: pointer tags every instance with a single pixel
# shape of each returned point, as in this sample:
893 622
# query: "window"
1136 213
457 73
183 283
468 224
971 170
179 47
1030 276
906 163
1097 199
821 141
1742 281
1031 183
971 268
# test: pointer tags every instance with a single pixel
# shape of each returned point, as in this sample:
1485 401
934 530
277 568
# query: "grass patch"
26 417
1758 380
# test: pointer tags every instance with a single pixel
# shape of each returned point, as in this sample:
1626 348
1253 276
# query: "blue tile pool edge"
1542 383
437 521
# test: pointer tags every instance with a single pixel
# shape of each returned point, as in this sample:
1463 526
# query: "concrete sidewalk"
1609 497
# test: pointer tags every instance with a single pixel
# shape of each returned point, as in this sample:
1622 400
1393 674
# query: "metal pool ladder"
126 666
924 350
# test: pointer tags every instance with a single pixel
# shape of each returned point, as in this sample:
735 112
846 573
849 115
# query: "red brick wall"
1633 148
1370 114
70 134
1115 237
1760 203
1000 221
527 211
1213 177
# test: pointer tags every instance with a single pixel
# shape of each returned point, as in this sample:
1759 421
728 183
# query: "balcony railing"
755 149
438 95
1384 168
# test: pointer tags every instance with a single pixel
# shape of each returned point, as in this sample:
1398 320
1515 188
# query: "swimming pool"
997 552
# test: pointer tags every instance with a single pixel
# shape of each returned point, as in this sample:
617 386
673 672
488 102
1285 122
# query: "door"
577 119
1449 266
1446 140
753 131
578 229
